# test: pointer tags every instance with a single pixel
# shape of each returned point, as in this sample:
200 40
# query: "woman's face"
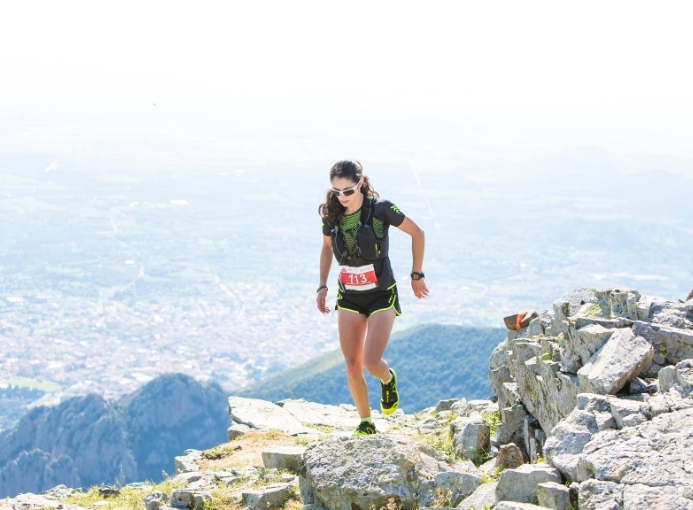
347 185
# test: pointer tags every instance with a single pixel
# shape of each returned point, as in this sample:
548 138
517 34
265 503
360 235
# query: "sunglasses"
348 191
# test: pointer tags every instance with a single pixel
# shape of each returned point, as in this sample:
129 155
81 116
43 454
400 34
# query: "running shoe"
390 398
365 428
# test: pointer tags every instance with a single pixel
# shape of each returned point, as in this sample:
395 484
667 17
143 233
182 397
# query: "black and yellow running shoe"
365 428
390 398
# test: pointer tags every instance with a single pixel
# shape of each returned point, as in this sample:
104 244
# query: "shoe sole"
388 412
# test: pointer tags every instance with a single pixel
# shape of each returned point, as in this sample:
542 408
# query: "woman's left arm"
417 252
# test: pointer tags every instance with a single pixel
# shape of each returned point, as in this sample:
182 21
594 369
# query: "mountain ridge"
89 441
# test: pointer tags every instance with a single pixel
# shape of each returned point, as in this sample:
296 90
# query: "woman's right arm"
325 264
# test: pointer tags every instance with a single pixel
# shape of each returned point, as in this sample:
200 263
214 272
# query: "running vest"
369 247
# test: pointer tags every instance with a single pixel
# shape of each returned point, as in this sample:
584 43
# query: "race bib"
358 278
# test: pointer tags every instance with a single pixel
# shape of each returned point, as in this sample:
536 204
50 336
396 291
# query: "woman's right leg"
352 331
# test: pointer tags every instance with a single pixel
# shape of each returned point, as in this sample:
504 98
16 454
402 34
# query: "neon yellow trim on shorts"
391 307
347 309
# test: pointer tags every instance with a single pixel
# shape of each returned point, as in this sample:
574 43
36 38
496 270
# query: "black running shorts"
369 303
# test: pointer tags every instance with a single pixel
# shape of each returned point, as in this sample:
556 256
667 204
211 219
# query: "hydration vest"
369 247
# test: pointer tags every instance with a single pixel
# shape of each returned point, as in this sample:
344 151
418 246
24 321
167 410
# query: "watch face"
416 276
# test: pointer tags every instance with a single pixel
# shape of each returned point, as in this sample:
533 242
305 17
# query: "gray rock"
472 440
201 499
598 495
483 497
667 378
644 497
521 484
604 421
592 402
60 492
509 457
187 463
657 404
321 415
655 453
237 430
554 495
267 498
684 376
459 407
31 501
262 415
638 385
533 437
446 405
508 396
581 344
497 366
510 428
628 413
548 394
246 473
567 439
481 407
284 458
187 477
458 424
619 303
182 498
155 500
513 505
368 471
572 434
672 344
620 360
430 425
457 485
571 303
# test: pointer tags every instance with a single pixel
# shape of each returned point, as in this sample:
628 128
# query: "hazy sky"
616 66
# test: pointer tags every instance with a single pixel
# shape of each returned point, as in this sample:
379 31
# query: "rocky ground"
594 411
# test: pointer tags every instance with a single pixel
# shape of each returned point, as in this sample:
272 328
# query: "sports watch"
415 275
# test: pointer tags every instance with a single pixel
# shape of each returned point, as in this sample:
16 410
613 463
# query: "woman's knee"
354 368
372 366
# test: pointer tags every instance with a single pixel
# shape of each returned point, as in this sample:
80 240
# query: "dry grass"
244 451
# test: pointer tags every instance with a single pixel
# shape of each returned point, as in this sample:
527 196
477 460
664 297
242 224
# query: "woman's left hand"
419 287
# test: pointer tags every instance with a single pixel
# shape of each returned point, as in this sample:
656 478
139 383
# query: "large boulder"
618 361
262 415
521 484
343 474
546 392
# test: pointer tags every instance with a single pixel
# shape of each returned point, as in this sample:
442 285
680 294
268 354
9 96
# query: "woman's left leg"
378 334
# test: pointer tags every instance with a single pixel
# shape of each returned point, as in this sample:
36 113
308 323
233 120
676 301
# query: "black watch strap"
321 287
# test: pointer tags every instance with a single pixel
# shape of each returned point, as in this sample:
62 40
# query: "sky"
617 70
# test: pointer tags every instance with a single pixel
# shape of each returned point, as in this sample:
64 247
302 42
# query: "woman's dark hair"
350 169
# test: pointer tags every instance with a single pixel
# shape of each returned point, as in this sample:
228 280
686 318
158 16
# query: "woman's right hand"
320 300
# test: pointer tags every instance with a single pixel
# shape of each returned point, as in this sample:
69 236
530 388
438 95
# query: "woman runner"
355 231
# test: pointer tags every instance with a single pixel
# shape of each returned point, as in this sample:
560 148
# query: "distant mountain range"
433 362
87 441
